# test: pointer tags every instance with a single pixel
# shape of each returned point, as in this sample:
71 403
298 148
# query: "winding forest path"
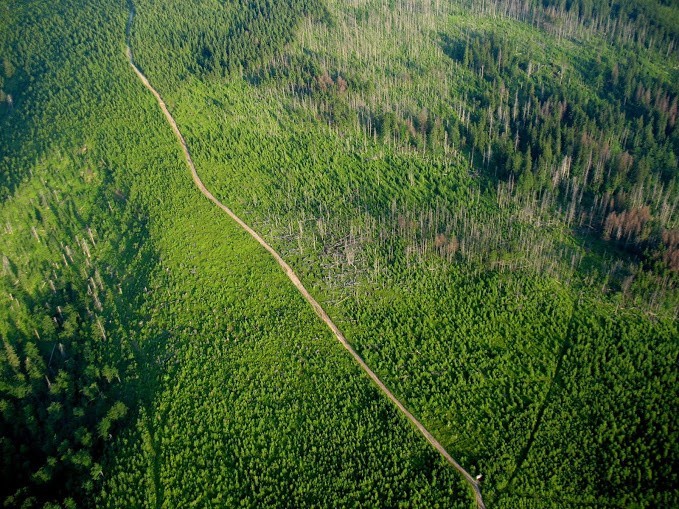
298 284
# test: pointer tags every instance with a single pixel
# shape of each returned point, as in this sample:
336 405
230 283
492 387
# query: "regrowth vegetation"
482 195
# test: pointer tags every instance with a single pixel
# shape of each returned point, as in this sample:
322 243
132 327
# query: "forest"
482 195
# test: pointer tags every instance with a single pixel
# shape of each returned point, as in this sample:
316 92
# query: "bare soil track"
300 287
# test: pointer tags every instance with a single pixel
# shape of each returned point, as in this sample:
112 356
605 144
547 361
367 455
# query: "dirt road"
298 284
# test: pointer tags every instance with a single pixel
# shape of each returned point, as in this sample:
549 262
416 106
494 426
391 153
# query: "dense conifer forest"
482 195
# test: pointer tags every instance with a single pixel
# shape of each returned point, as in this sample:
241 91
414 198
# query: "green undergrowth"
171 362
485 357
427 192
